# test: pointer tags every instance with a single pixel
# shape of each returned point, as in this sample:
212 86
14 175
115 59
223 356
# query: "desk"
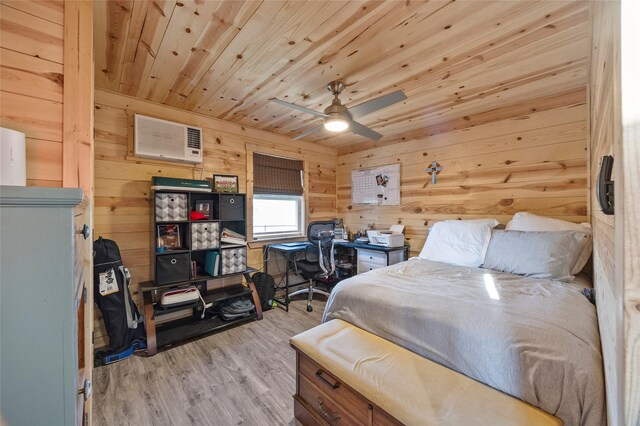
293 252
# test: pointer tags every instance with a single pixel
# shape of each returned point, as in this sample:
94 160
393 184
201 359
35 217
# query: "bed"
531 338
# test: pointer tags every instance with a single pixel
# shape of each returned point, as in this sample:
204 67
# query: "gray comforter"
534 339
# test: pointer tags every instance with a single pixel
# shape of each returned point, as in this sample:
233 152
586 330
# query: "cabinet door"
83 287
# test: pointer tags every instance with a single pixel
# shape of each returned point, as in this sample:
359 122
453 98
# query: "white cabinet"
369 260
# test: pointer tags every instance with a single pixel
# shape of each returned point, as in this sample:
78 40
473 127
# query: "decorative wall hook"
433 171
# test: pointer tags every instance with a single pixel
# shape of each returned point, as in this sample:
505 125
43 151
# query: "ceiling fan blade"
299 108
373 105
309 132
364 131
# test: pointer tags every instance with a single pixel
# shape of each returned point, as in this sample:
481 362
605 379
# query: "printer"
387 238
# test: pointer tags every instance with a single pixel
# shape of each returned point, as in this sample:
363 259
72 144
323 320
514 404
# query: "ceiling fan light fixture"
336 124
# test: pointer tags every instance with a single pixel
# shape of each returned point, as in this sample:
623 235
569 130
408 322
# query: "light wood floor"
241 376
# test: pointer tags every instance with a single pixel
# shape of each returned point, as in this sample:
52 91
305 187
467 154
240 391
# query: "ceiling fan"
338 118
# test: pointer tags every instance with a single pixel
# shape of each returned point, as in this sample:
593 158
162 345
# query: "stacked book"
230 237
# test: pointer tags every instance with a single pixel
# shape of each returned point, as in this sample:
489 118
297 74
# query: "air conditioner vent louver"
165 140
193 138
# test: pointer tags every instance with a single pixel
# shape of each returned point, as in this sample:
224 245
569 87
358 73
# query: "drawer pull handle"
85 232
335 385
325 413
85 391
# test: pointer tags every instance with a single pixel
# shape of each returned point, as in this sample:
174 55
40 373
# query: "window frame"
279 235
252 147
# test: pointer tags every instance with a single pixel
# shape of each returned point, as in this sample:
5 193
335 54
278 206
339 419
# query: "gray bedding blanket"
534 339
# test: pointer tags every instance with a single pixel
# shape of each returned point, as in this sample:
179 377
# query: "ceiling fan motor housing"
337 110
336 87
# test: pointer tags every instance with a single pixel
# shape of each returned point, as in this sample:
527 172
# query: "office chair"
318 263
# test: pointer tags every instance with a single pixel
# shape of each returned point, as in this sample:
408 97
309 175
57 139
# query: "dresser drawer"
332 387
373 257
326 407
305 415
366 267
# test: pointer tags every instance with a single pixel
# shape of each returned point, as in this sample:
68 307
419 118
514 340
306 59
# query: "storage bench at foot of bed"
347 376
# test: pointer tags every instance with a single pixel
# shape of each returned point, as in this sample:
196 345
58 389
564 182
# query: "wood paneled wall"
122 182
615 126
628 216
534 161
605 135
31 86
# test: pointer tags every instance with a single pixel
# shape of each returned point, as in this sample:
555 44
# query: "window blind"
277 175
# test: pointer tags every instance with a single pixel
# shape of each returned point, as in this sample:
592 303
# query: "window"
278 197
277 216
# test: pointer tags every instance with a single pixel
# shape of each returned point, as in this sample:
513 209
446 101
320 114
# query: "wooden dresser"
322 399
45 319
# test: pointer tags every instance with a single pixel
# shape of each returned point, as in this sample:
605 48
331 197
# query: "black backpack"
111 293
266 287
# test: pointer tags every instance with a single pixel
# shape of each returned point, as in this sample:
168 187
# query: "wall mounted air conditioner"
165 140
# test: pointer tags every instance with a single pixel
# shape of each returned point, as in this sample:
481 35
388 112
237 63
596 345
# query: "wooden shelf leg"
150 324
256 299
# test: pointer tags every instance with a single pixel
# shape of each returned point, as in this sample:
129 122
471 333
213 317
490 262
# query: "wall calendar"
378 185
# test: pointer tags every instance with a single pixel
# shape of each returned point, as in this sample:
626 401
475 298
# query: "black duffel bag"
111 293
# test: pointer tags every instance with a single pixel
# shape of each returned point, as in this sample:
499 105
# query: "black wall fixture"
605 186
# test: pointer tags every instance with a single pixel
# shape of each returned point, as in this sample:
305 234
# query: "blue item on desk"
295 244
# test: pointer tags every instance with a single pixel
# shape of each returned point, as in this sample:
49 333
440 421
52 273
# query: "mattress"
533 339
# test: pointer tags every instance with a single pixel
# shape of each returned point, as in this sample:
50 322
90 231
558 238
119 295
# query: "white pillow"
459 242
524 221
546 254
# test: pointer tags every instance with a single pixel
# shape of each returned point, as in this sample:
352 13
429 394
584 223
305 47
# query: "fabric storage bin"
231 207
234 260
205 235
170 207
172 268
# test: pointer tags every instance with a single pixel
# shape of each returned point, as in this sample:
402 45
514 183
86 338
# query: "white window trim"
270 236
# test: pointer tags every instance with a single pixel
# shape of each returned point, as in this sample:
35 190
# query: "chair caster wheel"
309 308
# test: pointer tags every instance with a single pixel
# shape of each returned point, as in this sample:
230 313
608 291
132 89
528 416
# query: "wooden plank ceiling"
461 63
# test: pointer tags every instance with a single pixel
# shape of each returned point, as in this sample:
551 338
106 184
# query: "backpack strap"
131 321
